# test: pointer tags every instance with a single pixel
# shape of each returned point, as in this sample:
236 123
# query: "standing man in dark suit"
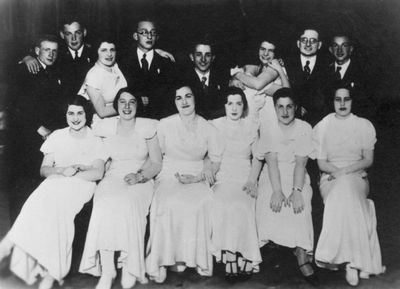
149 74
75 57
348 72
206 82
35 109
307 74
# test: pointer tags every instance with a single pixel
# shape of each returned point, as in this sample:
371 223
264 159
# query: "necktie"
338 76
145 64
307 69
76 55
203 82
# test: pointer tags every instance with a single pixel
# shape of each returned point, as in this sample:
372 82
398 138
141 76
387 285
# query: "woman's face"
234 107
127 105
285 110
76 117
342 102
184 101
106 54
266 52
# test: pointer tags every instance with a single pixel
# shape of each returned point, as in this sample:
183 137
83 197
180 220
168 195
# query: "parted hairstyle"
139 104
79 100
232 90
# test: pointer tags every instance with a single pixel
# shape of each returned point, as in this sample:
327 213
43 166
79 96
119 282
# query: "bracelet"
297 189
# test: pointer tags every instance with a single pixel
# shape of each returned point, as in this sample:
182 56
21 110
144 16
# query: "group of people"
216 159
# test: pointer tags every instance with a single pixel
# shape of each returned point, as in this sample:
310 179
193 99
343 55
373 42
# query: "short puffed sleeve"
267 141
303 141
215 144
147 127
368 135
55 141
318 146
93 78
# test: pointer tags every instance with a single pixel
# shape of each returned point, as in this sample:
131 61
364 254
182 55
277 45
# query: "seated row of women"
206 188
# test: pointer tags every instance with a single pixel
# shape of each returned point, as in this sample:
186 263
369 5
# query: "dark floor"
385 187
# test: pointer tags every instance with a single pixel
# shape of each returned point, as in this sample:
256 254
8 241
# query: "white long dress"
286 228
44 230
233 211
179 215
108 83
349 225
118 220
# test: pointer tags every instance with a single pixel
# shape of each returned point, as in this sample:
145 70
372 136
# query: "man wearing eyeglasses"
346 71
307 74
149 74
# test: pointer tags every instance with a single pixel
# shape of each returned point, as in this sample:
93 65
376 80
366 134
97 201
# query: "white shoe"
105 282
127 280
161 277
47 282
351 275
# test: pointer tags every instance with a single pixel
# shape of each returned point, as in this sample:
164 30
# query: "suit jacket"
209 101
309 90
36 101
157 84
73 71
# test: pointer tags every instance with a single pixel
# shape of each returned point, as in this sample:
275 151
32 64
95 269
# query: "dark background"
236 26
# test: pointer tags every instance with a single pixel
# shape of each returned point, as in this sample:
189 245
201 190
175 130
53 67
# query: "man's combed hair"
45 37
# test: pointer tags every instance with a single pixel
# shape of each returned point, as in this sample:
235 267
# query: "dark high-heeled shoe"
232 277
312 279
244 274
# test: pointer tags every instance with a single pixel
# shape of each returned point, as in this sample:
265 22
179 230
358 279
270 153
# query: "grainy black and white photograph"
199 144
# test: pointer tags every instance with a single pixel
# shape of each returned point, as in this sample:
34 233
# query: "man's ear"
330 49
84 32
351 49
319 45
135 36
62 34
37 50
191 57
298 44
212 58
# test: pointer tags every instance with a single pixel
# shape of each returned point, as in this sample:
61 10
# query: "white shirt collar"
343 68
149 56
201 75
80 50
41 63
312 60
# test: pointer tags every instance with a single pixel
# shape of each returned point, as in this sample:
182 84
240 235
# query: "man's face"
47 52
341 49
73 35
309 43
145 36
202 57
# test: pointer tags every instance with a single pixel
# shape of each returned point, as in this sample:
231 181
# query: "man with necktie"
148 73
346 71
205 79
307 74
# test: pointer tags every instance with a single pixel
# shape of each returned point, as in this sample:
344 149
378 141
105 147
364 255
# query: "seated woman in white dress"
234 234
259 82
40 241
103 81
179 214
122 199
344 148
283 207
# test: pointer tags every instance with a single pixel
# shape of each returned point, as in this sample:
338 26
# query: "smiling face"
285 110
146 35
47 52
73 35
76 117
184 101
342 103
202 57
266 52
309 43
106 54
234 107
127 106
341 49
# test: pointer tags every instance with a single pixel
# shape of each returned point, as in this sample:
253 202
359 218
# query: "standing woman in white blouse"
103 81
